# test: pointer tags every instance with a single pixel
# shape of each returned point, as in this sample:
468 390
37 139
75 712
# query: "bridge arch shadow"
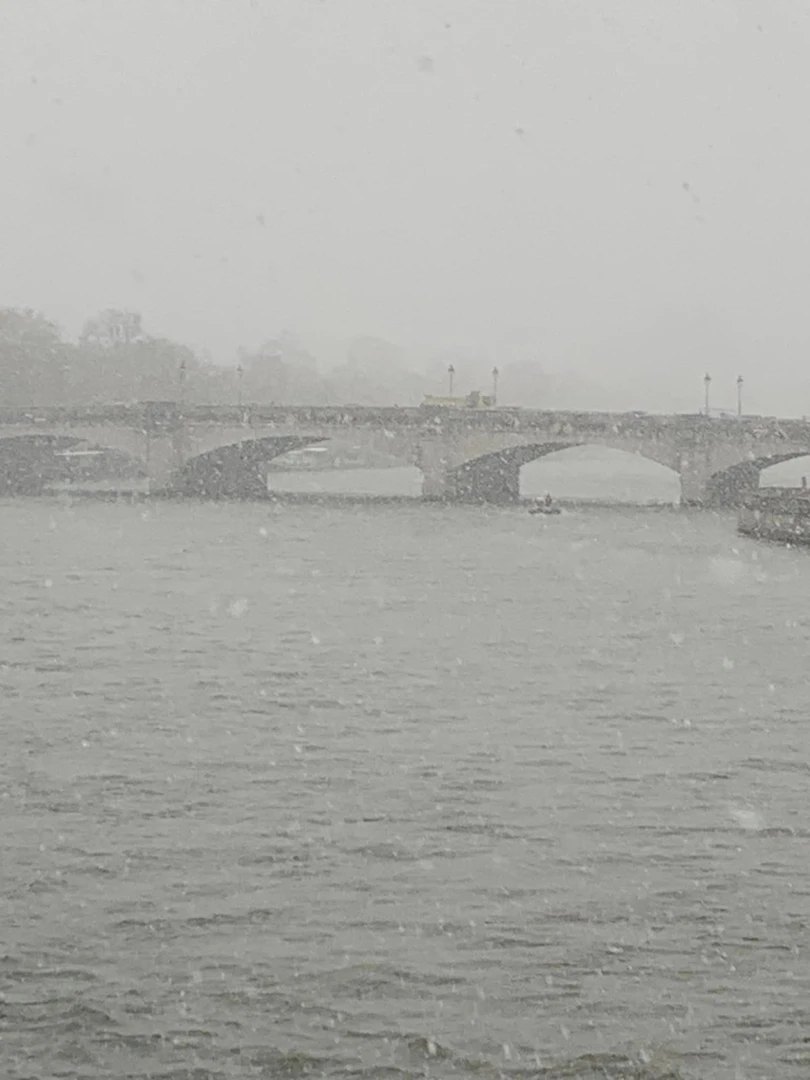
236 471
730 486
583 470
30 463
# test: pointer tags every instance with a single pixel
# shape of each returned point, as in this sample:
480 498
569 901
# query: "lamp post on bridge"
240 371
739 396
495 374
450 373
707 382
181 378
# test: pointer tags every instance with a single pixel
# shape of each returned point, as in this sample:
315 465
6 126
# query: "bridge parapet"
137 414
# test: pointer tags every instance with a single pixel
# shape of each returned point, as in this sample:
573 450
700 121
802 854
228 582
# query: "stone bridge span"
464 454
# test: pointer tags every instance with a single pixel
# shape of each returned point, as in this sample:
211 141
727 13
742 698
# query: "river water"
401 791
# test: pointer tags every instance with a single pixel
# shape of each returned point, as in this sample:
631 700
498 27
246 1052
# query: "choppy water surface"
400 791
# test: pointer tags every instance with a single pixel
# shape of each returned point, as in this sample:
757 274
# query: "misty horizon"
616 200
117 356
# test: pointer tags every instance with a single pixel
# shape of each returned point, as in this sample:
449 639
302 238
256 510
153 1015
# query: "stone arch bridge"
466 455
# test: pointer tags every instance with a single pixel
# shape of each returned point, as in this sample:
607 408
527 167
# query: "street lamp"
739 395
450 373
707 382
181 376
240 371
495 374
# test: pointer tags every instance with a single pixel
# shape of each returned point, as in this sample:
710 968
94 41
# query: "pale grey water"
582 472
400 791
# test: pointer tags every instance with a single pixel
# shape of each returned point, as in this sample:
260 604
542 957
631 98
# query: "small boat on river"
544 506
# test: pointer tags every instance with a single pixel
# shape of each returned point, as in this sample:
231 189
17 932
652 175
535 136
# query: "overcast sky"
617 189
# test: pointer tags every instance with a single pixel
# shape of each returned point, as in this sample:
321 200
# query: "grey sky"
618 189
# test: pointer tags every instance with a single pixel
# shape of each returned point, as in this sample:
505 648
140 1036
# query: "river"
401 790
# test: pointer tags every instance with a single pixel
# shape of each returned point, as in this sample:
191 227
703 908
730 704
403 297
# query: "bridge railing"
579 424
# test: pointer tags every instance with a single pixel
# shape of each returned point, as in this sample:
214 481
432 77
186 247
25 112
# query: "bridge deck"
144 415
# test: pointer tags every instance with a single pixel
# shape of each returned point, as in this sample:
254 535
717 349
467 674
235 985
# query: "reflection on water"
404 481
579 473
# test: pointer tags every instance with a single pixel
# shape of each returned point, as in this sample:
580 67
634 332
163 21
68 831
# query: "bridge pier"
707 479
704 482
694 476
434 486
435 475
163 456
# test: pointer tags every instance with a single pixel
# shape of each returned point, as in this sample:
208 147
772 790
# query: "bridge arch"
29 462
453 448
729 486
495 477
235 471
601 473
786 477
